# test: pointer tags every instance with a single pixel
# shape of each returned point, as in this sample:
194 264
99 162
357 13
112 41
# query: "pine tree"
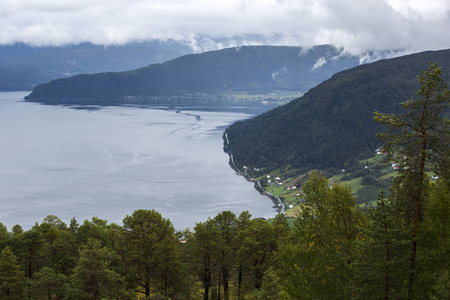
11 278
150 249
204 251
418 141
4 236
381 271
433 256
94 277
257 248
319 263
226 224
242 223
46 283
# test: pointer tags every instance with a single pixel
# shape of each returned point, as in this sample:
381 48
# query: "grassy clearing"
355 184
377 159
389 175
379 170
290 221
367 194
294 212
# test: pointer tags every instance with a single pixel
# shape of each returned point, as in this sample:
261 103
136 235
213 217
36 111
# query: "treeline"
333 251
145 257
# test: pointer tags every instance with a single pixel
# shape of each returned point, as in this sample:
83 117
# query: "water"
108 162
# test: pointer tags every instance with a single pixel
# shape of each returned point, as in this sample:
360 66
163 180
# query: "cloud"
280 74
211 24
319 63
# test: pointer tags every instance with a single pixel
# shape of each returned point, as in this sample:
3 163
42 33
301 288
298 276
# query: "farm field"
366 179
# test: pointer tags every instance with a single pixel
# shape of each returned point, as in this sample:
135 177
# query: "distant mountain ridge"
23 67
254 69
331 126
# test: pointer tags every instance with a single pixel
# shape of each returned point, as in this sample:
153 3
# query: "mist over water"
109 161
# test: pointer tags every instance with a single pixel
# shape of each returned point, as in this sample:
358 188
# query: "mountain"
23 67
253 69
331 126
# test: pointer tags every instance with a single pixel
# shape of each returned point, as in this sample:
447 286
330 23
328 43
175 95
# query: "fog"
357 26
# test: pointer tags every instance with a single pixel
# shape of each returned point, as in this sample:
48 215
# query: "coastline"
278 204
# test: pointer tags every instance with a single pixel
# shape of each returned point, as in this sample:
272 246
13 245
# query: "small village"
286 193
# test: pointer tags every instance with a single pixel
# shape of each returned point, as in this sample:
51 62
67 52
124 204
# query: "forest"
399 249
330 127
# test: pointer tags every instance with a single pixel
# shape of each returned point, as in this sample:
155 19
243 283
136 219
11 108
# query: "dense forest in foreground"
399 249
336 252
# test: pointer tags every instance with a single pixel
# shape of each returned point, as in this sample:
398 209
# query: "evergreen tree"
270 289
282 228
46 283
242 223
418 141
226 225
63 253
11 278
73 227
382 265
204 250
433 256
16 230
320 261
150 249
93 276
96 228
4 236
258 244
29 247
55 222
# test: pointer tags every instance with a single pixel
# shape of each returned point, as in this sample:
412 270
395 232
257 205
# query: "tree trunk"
225 283
386 276
239 282
206 277
147 289
418 198
218 290
206 281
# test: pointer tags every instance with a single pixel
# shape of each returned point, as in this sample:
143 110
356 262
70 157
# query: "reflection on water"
92 161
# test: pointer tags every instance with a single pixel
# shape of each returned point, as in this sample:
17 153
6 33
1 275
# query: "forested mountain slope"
23 67
255 69
331 125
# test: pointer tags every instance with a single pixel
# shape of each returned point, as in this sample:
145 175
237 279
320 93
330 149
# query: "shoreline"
278 204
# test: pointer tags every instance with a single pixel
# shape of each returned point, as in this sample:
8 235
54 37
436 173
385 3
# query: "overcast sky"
413 25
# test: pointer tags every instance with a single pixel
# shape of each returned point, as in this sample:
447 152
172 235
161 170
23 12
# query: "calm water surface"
107 162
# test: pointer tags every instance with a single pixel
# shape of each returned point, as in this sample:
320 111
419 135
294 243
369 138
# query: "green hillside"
253 69
330 128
